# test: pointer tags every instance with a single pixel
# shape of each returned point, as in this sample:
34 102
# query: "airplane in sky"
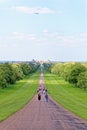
37 11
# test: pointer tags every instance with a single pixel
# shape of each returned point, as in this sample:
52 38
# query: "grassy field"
16 96
70 97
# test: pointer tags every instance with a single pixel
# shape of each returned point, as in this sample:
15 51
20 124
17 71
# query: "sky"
53 30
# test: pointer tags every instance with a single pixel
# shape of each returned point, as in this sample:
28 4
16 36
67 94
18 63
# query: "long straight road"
42 115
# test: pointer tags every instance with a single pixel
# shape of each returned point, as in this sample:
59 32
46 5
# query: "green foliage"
67 70
84 64
47 66
75 70
82 80
26 68
57 69
3 82
18 71
10 73
70 72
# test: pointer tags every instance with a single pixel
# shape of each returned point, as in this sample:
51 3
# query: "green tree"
3 82
66 71
9 73
76 69
26 68
82 80
18 71
47 66
57 69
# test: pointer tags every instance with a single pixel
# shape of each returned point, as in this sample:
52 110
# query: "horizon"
12 61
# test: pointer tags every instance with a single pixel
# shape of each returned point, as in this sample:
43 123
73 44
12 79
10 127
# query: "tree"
76 69
82 80
57 69
26 68
66 71
47 66
3 82
18 71
9 73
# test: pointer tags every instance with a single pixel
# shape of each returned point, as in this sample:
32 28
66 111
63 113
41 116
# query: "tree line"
73 72
10 73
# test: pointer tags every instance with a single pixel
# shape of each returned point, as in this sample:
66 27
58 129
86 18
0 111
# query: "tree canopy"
10 73
73 72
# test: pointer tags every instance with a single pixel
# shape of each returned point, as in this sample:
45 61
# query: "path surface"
42 115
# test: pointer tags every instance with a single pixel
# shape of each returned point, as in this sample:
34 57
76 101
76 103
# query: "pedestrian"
46 97
44 91
39 96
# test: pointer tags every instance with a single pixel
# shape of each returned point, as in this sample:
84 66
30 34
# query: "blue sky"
43 30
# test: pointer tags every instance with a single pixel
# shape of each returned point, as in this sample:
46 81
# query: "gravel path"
42 115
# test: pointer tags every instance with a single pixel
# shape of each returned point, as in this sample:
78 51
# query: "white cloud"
83 37
45 31
83 34
53 38
0 39
64 39
17 35
34 10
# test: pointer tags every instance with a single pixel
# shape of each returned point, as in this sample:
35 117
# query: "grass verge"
70 97
16 96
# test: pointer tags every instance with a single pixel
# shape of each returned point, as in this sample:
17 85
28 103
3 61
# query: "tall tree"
76 69
82 80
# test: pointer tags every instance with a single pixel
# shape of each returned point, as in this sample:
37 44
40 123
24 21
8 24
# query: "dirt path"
42 115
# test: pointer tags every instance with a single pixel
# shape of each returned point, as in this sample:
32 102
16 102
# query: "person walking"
39 94
46 97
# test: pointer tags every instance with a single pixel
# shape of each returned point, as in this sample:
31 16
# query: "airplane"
36 13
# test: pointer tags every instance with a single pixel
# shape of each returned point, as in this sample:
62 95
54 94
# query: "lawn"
70 97
14 97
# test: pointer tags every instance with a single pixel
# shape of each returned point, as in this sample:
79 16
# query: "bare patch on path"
42 115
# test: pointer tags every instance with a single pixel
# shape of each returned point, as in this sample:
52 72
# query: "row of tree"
75 73
10 73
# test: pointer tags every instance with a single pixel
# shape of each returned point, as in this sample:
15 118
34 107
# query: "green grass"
70 97
16 96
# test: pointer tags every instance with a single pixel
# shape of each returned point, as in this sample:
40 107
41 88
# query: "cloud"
34 10
83 37
83 34
17 35
64 39
45 31
47 38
